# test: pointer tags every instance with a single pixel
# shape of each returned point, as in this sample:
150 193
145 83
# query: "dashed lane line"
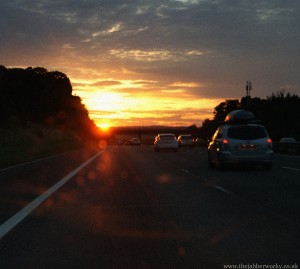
187 172
222 189
290 168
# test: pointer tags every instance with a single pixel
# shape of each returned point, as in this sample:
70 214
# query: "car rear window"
169 137
187 137
247 132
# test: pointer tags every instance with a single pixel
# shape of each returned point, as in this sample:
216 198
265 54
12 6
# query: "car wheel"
210 163
221 165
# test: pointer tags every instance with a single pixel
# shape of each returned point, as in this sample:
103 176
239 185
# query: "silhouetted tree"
224 108
36 95
280 113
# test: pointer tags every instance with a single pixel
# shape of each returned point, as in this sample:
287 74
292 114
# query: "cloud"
196 48
103 83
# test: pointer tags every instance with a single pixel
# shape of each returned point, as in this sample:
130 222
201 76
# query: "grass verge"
20 144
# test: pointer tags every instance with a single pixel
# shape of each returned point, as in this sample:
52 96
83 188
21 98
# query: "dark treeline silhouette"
35 95
280 113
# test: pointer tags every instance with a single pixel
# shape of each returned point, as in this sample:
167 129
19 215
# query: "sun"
104 127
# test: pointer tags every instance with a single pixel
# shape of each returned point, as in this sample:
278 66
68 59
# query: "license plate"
248 147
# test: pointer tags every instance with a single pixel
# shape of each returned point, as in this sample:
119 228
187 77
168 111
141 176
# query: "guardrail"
290 148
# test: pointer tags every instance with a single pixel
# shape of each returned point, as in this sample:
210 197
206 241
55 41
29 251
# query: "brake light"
269 141
225 141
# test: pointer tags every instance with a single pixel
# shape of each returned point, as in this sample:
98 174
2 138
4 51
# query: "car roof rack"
240 116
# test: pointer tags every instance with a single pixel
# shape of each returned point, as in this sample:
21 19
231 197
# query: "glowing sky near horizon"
160 62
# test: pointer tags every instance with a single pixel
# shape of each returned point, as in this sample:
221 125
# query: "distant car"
165 142
288 140
186 140
240 142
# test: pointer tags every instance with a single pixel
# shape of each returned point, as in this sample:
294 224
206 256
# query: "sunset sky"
158 62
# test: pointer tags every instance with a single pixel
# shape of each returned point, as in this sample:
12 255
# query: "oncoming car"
165 142
240 141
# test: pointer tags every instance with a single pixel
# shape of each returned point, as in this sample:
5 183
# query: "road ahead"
130 207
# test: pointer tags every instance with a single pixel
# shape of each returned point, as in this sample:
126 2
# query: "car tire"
210 163
221 165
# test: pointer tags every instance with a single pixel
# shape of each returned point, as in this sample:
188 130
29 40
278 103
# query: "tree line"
35 95
279 113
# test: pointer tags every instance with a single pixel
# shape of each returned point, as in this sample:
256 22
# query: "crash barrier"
291 148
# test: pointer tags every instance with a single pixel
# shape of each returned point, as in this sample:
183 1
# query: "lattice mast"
248 89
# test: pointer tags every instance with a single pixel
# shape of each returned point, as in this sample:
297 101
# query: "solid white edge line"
23 213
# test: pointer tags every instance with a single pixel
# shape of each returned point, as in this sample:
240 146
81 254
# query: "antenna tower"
248 89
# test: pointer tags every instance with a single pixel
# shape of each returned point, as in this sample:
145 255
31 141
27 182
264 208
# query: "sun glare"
128 103
104 127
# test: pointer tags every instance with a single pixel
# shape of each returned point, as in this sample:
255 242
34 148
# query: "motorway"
129 207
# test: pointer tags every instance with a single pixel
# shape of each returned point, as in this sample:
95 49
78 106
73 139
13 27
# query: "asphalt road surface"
129 207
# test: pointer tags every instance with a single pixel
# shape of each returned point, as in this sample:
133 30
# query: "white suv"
240 142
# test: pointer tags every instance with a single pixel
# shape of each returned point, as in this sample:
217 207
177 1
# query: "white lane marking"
222 189
256 205
187 172
290 168
175 165
23 213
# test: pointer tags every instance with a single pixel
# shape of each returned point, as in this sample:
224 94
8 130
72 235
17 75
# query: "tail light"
269 141
225 141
